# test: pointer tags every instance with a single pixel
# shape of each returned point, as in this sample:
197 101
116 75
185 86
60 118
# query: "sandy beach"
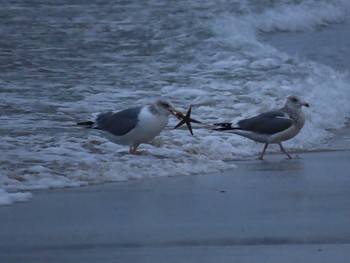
273 211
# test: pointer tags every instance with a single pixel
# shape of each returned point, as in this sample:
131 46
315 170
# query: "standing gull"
273 126
136 125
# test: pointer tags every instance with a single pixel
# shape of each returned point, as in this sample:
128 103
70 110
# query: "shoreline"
255 213
272 155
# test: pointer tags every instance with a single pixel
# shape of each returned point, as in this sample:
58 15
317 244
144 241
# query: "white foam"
303 16
230 75
9 198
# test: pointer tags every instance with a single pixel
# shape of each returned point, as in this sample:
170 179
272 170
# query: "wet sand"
273 211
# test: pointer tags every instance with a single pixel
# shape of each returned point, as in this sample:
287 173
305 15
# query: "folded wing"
270 122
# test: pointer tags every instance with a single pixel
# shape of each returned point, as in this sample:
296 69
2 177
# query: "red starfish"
186 119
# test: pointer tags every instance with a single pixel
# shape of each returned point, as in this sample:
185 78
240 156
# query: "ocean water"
63 62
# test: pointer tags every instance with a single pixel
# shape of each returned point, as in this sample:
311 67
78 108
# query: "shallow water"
63 62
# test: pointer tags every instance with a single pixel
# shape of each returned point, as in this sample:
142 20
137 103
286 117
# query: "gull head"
296 102
165 107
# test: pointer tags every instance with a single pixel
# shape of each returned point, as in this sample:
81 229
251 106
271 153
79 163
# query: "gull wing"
119 123
267 123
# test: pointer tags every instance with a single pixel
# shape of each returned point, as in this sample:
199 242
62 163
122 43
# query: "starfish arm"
189 127
186 119
194 121
182 122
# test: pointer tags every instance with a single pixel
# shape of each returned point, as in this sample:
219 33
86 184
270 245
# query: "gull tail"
87 124
224 126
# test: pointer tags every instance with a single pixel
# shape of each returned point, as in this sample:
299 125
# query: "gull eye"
164 104
293 99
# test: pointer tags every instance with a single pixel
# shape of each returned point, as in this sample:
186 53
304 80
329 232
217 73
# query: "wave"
245 26
302 17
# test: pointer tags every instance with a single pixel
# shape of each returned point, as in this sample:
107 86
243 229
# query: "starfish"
186 119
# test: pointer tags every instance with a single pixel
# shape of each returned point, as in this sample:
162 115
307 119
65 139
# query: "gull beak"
178 114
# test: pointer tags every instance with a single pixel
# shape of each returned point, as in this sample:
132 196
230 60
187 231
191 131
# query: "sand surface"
273 211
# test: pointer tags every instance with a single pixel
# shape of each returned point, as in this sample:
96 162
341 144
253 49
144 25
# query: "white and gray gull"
273 126
135 125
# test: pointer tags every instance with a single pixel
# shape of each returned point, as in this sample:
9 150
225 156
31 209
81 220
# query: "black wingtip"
222 129
87 124
223 126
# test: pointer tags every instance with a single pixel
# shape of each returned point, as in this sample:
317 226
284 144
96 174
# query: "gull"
273 126
135 125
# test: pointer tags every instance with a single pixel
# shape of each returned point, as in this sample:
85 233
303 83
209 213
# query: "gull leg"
283 150
133 150
261 157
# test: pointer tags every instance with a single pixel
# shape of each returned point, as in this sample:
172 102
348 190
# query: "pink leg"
261 157
133 150
283 150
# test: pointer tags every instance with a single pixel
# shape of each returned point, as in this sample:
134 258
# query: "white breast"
148 126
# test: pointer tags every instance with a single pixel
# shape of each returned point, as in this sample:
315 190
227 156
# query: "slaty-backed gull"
135 125
273 126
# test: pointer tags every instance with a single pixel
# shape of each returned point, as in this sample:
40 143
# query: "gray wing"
267 123
118 123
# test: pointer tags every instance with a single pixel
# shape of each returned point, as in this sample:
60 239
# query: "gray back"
118 123
267 123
